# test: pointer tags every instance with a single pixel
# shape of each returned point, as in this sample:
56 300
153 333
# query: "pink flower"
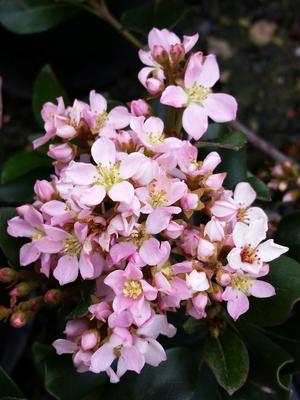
102 122
109 176
140 108
242 286
197 281
249 254
214 229
197 97
238 207
133 293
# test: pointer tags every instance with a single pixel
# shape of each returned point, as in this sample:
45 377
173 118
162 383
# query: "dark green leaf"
87 289
46 88
20 191
251 391
234 163
8 388
193 325
285 277
21 163
206 384
228 358
173 379
31 16
266 359
158 13
261 189
227 139
289 230
9 245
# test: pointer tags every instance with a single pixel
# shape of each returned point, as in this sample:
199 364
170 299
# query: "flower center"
241 283
117 351
132 288
100 122
139 237
198 93
37 235
158 198
108 176
155 138
249 255
72 246
242 215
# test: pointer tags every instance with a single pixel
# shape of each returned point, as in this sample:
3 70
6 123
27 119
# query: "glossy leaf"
260 187
226 139
46 88
21 163
31 16
285 277
228 358
8 388
158 13
10 246
87 289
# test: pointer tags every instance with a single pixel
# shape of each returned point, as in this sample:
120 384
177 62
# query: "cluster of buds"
119 211
284 178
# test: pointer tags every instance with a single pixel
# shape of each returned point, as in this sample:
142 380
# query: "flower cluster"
119 211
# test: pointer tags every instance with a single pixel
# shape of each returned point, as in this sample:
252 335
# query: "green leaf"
21 163
158 13
260 187
173 379
226 139
10 246
193 325
31 16
46 88
234 163
267 360
87 289
206 384
20 191
285 277
228 358
61 379
8 388
289 229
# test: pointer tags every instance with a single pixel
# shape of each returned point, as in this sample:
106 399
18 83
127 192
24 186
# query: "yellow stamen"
158 198
241 283
132 288
72 246
198 93
100 121
108 176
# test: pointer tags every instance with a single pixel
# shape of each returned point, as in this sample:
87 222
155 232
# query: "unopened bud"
89 339
223 278
4 312
8 275
76 327
177 53
53 296
44 190
174 230
160 55
154 86
20 318
217 292
23 289
140 108
61 152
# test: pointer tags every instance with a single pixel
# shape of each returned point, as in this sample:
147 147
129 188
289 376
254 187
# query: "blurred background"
258 47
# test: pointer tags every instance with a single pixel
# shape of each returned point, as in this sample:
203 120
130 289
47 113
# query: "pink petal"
238 305
66 270
158 324
154 125
55 208
86 266
121 303
193 69
244 195
32 216
98 103
131 164
269 250
140 310
256 233
17 227
194 121
190 41
210 73
154 252
93 196
158 220
46 245
119 117
63 346
133 359
28 254
123 191
174 96
116 281
104 152
144 74
102 358
149 291
220 107
81 173
261 289
146 57
121 251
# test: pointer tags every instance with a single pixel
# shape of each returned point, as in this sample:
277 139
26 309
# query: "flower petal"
66 270
220 107
123 191
104 152
174 96
195 121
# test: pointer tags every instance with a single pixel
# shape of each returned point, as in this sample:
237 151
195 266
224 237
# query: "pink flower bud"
53 296
174 230
89 339
205 249
61 152
223 278
44 190
8 275
217 292
177 53
76 327
159 54
20 318
214 229
189 201
23 289
154 85
140 108
100 311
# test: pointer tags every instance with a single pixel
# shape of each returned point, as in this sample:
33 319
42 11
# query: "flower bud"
4 312
53 296
177 53
23 289
159 54
223 278
89 339
100 311
44 190
61 152
8 275
20 318
154 86
217 292
189 201
75 327
174 230
140 108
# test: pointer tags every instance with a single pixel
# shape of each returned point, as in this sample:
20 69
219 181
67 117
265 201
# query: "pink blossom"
197 97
